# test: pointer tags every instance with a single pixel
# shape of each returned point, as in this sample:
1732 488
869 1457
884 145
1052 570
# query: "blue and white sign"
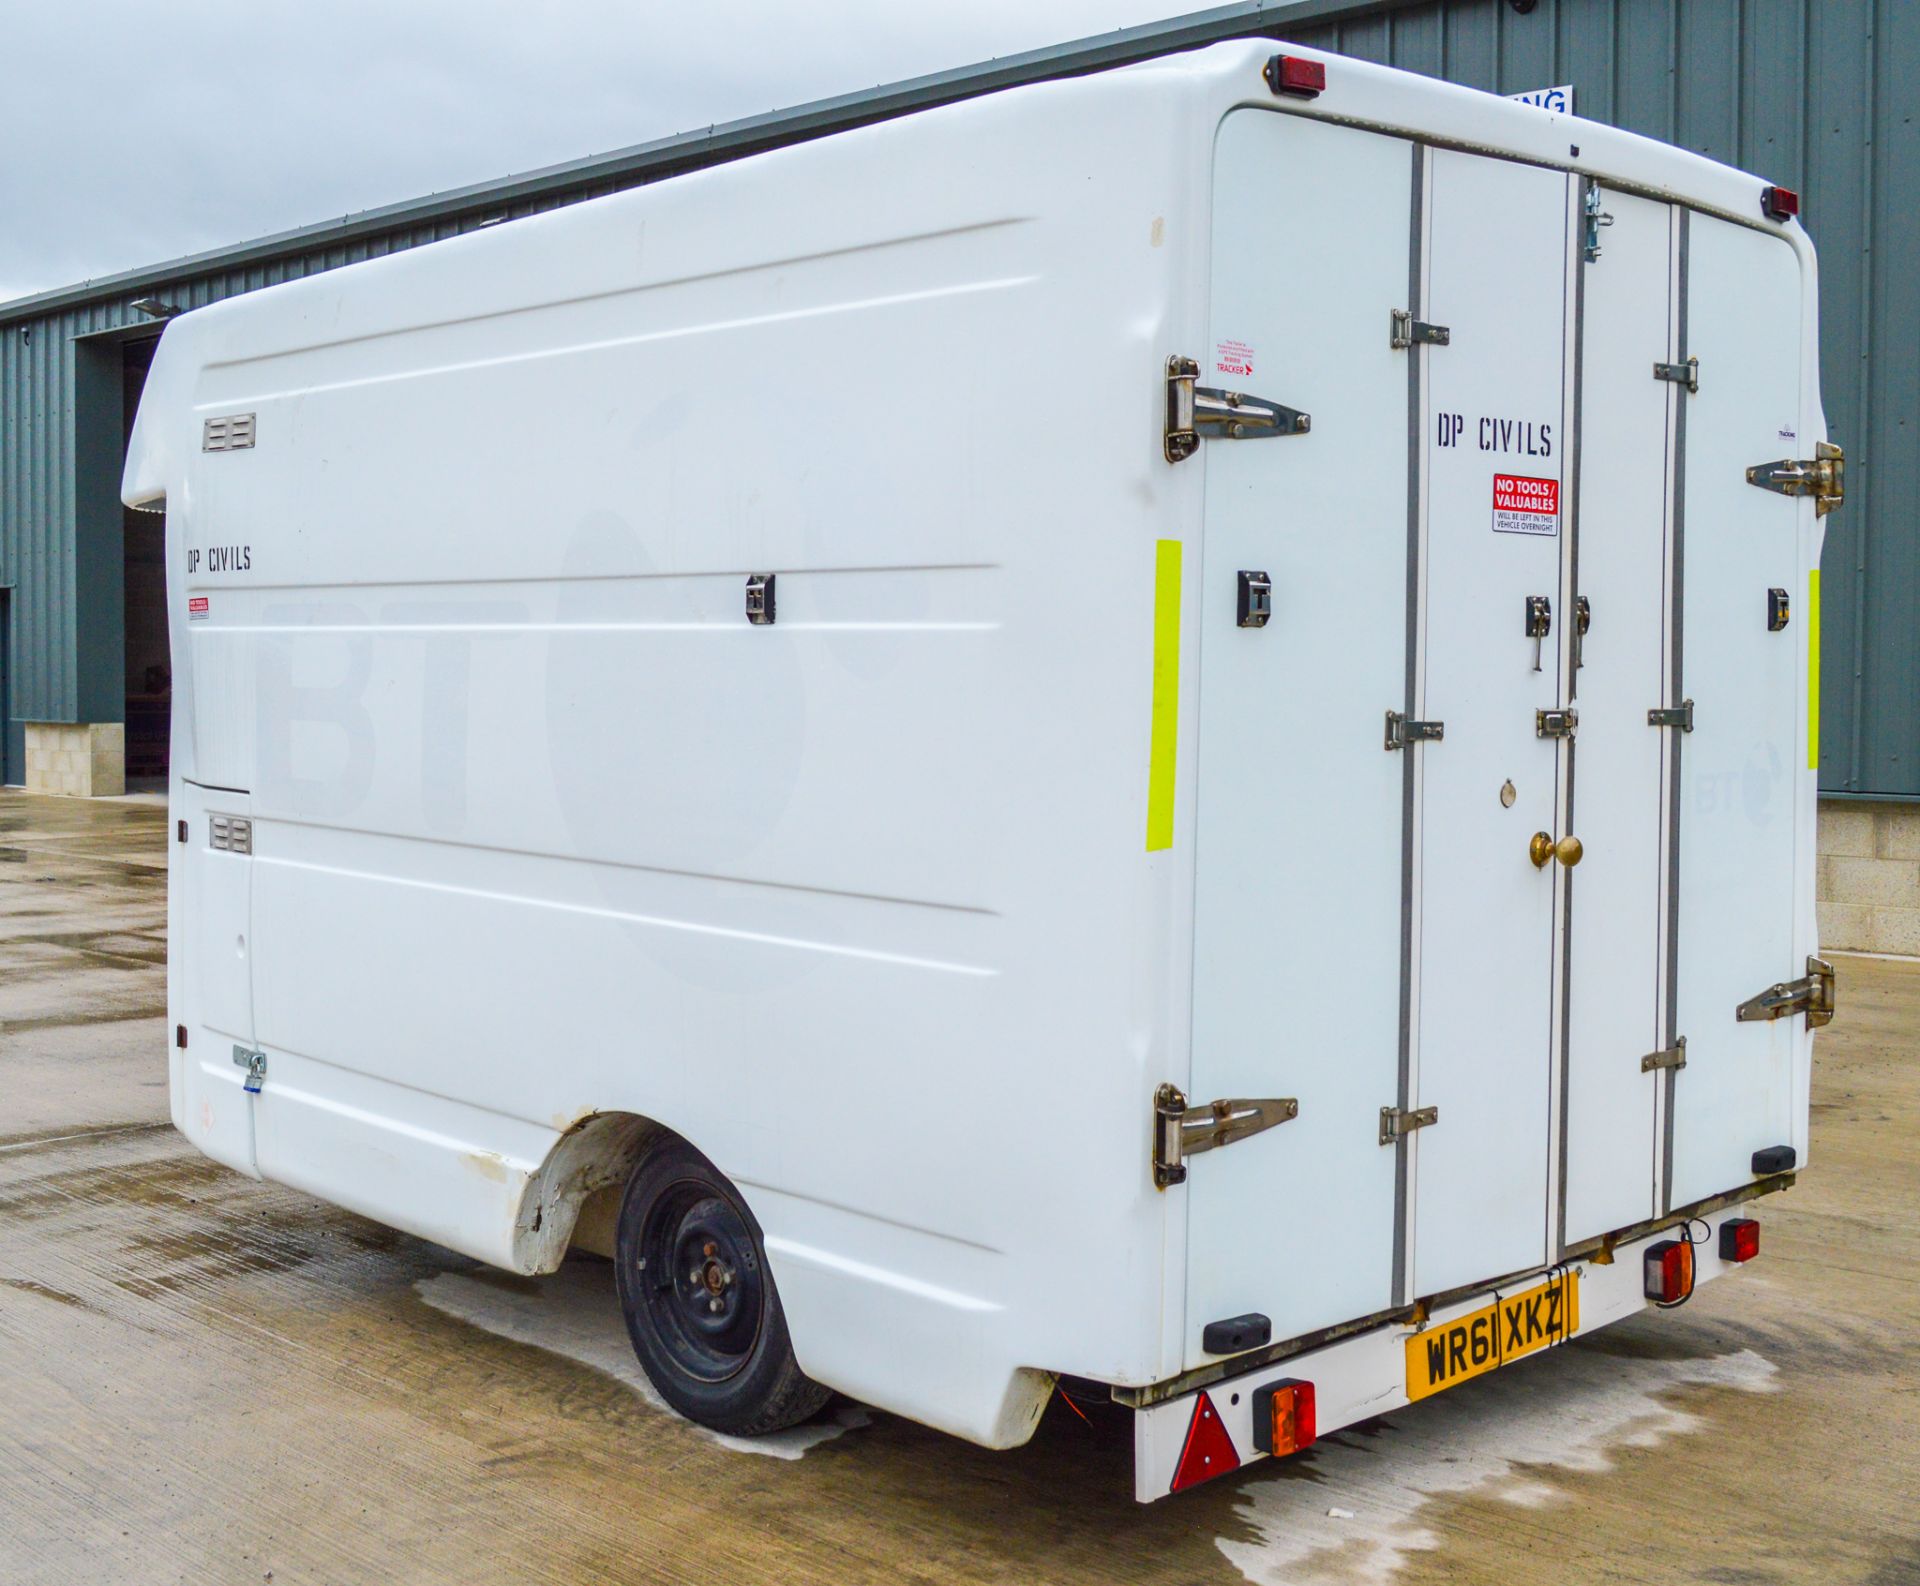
1560 99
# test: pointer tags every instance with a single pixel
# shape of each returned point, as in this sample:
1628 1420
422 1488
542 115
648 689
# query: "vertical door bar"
1564 598
1410 770
1676 565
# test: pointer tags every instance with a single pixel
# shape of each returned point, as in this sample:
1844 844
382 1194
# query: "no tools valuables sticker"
1525 506
196 608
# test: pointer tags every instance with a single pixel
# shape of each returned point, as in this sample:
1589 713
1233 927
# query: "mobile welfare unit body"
986 723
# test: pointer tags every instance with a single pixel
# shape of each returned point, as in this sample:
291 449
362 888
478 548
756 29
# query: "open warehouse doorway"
148 662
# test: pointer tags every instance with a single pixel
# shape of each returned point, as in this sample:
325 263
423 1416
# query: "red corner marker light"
1289 74
1739 1239
1780 203
1209 1451
1285 1419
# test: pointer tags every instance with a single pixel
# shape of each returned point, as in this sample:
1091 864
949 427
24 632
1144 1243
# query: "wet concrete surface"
207 1379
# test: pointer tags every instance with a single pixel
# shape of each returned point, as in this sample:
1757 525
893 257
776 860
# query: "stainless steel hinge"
1408 332
1396 1123
1680 716
255 1063
1401 732
1231 415
1555 723
1686 374
1180 1131
1596 218
1824 477
1811 994
1674 1056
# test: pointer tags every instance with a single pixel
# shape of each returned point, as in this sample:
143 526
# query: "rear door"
1623 571
1497 274
1741 767
1297 961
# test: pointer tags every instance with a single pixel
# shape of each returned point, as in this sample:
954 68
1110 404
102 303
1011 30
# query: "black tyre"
699 1299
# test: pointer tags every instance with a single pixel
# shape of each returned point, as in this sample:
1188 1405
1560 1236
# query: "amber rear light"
1669 1271
1285 1418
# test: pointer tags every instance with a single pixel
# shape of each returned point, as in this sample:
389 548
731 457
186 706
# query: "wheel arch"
585 1169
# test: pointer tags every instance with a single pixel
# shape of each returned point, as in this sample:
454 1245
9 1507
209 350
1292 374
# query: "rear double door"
1454 940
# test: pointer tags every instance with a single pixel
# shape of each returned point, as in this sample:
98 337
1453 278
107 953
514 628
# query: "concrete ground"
210 1380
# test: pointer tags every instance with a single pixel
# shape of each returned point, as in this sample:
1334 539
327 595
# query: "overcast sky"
133 132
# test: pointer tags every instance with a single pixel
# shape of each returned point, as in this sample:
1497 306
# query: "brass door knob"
1542 850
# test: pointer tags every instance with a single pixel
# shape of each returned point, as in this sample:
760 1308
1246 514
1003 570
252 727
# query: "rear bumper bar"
1364 1375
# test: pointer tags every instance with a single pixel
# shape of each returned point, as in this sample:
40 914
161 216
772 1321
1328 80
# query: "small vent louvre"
232 433
231 834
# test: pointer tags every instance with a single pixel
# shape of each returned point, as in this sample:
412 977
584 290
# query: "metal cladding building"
1812 94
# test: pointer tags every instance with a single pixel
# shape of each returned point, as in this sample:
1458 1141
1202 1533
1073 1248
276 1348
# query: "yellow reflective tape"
1166 694
1813 670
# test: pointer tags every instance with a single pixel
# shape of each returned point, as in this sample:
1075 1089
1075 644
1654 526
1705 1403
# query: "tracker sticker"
1525 506
196 608
1233 357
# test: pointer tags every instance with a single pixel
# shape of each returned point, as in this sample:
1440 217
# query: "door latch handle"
1543 850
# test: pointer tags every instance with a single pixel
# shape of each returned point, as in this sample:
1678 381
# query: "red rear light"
1669 1271
1285 1419
1739 1239
1289 74
1779 203
1209 1451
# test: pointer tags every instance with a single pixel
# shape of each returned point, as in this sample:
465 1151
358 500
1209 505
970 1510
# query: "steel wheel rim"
701 1280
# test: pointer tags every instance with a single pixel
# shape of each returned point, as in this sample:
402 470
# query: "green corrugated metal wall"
1816 94
1819 95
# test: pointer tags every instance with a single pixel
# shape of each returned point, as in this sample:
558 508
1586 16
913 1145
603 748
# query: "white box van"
982 727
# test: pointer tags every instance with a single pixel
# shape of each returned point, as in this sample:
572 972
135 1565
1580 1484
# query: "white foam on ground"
576 1313
1356 1517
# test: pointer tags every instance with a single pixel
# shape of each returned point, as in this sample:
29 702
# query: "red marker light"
1285 1417
1209 1451
1303 79
1669 1271
1739 1239
1779 203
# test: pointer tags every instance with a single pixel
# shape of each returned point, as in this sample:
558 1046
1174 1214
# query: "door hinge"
1408 332
1396 1123
255 1063
1402 732
1674 1056
1596 218
1555 723
1824 477
1686 374
1680 716
1229 415
1811 994
1180 1131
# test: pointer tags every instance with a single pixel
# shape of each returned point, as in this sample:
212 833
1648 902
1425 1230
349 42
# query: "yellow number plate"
1467 1346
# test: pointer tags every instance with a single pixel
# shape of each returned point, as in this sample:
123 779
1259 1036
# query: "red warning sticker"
196 608
1525 506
